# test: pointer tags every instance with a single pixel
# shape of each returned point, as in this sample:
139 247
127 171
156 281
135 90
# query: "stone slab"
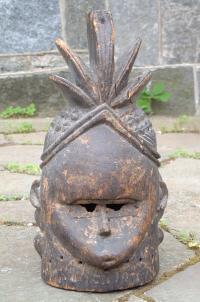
35 138
182 175
179 82
3 140
20 270
182 287
13 63
33 34
20 154
23 88
20 273
172 254
170 142
182 213
34 61
15 184
20 211
180 31
133 19
73 16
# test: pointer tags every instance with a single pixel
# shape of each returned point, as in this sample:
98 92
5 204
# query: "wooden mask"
100 195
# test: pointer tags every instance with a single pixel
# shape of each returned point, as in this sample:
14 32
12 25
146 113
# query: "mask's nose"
103 222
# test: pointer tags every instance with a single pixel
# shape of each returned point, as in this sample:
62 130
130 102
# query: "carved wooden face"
99 194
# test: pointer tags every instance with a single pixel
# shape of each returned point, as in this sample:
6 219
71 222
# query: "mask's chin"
103 236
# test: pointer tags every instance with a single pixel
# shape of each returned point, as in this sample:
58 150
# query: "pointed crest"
101 83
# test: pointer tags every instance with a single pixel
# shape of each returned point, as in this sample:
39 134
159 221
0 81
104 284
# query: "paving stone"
20 154
34 34
182 213
15 183
20 273
133 19
35 138
182 177
182 287
17 211
172 254
180 31
3 140
38 124
170 142
20 270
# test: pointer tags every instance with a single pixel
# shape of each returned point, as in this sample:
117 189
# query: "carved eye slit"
90 207
115 207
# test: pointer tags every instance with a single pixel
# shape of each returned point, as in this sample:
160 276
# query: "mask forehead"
99 165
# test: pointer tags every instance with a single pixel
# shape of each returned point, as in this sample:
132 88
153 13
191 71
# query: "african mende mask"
100 195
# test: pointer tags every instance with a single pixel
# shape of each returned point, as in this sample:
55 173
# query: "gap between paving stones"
133 293
140 292
164 277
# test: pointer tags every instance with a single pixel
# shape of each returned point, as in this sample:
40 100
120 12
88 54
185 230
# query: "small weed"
12 223
156 94
188 238
12 197
179 153
24 127
163 225
30 169
19 111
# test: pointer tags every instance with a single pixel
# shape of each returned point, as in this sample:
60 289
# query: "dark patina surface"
100 195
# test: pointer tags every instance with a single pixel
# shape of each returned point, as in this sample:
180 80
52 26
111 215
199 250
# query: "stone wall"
169 29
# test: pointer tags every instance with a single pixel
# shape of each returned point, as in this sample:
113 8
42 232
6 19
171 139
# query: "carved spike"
83 77
132 89
101 49
70 90
124 67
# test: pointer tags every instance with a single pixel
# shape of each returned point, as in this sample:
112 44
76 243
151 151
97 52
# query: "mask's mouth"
108 263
